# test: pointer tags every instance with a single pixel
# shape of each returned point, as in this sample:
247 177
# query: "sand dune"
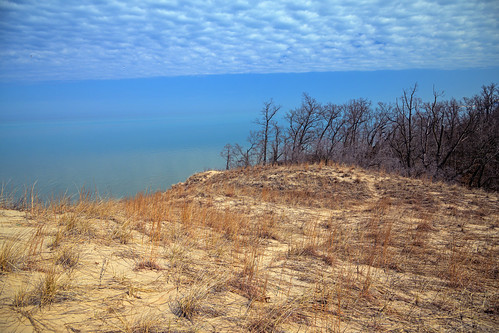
297 248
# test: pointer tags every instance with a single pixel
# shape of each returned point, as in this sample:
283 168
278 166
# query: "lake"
114 158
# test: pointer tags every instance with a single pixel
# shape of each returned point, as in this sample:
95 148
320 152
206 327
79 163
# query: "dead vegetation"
264 249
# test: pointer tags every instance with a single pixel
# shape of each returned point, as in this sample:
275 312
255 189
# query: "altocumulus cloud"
71 40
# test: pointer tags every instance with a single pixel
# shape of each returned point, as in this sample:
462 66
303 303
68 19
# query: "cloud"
72 40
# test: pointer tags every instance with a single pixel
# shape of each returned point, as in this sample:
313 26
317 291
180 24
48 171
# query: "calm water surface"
116 158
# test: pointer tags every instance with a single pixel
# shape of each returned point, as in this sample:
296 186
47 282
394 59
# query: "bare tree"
228 154
267 114
331 120
244 155
277 143
255 140
356 113
486 102
451 140
477 162
457 127
402 140
435 126
302 122
374 136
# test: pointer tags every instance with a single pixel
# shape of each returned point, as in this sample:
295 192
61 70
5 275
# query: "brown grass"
52 287
12 254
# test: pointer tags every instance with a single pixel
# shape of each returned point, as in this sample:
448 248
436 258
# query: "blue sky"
230 97
81 58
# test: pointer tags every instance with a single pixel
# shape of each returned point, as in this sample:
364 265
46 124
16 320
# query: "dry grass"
11 255
52 287
266 249
68 257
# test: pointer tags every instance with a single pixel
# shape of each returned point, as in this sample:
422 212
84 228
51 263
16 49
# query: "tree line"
451 140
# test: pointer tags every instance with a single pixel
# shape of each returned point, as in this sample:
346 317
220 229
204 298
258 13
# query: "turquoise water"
115 158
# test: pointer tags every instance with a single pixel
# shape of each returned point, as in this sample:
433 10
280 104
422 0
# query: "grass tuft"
189 304
270 317
148 264
123 232
75 225
52 288
12 254
68 257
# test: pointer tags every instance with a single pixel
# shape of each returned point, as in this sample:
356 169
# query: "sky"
85 58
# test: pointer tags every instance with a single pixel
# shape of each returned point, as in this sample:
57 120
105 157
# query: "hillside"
310 248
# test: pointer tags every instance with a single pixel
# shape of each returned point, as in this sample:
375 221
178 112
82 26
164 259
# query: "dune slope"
264 249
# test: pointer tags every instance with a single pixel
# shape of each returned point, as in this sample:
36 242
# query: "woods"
451 140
